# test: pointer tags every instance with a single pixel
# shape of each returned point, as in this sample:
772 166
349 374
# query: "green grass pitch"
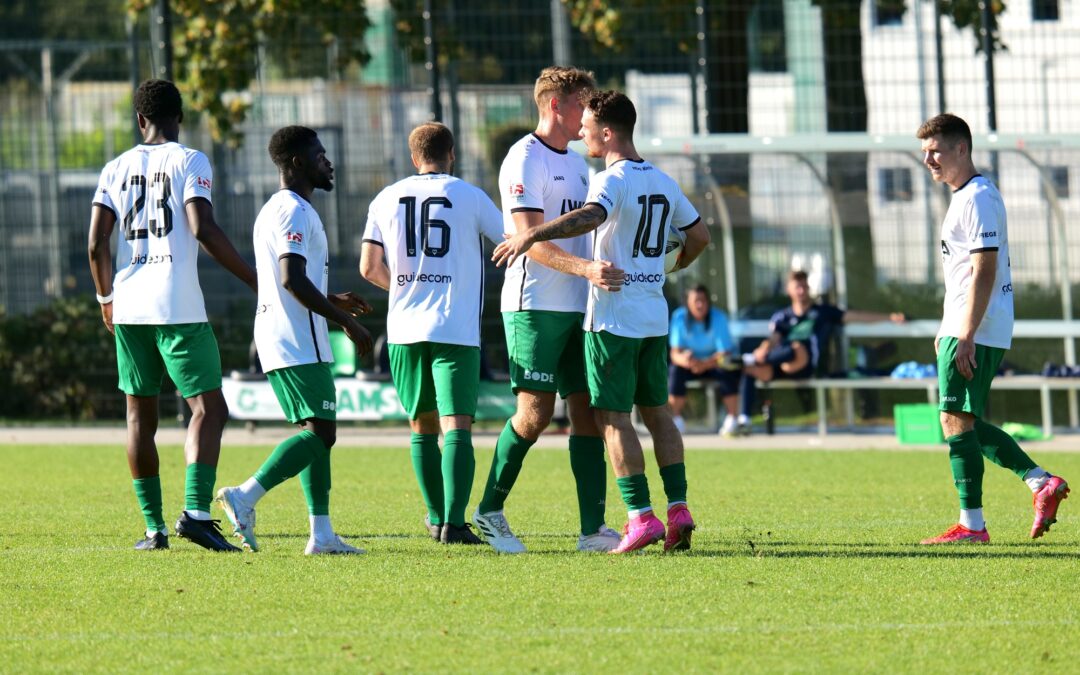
803 561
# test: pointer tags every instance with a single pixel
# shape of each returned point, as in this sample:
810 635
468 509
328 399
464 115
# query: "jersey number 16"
427 224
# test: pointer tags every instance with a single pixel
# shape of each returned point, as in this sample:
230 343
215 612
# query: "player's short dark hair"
288 142
431 142
798 275
158 101
948 126
698 288
612 109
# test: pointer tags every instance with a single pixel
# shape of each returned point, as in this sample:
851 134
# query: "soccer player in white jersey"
976 330
159 193
429 228
543 303
632 206
292 339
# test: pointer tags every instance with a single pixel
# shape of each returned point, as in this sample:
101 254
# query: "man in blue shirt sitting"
701 347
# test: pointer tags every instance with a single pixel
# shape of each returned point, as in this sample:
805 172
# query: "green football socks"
966 459
635 491
1000 448
199 486
458 467
289 458
674 477
590 474
427 464
315 479
148 492
510 451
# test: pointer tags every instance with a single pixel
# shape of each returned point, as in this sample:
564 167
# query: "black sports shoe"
434 530
453 534
205 533
155 542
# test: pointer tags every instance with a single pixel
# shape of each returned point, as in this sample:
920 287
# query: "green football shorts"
436 376
957 394
187 351
545 351
624 371
305 392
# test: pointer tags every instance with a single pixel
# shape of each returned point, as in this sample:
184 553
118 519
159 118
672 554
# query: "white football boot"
497 532
603 540
239 514
333 547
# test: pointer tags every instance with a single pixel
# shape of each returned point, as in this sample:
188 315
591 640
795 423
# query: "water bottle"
766 414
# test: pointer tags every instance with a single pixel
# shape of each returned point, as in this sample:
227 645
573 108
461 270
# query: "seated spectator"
797 336
701 346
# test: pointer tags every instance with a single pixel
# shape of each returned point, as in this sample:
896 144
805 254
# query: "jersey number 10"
427 224
138 230
642 240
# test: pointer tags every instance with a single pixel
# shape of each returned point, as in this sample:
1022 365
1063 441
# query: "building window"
768 50
888 12
1045 10
896 184
1059 176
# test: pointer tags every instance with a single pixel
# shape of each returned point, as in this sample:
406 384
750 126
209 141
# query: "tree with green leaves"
218 46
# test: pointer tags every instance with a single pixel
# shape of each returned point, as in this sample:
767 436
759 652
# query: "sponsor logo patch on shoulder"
294 237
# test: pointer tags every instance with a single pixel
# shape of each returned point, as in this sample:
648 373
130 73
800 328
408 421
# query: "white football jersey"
536 177
643 205
287 333
976 222
430 226
157 277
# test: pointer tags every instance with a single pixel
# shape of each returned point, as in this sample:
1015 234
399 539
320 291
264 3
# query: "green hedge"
58 361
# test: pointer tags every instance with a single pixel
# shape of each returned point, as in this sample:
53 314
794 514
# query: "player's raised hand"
603 274
359 335
513 248
350 302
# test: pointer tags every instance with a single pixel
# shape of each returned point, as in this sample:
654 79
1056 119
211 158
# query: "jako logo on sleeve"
202 182
294 237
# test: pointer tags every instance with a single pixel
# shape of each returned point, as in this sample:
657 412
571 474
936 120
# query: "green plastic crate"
918 423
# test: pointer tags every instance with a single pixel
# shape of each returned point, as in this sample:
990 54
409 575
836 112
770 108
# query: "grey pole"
562 53
431 61
987 35
133 70
161 39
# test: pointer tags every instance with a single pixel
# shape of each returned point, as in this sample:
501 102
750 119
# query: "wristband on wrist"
104 299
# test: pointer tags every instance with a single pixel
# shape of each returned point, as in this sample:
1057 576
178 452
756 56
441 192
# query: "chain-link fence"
771 69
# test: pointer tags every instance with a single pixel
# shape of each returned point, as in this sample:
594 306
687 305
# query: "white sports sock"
744 420
748 359
972 519
150 533
197 515
321 529
1036 478
251 491
635 513
729 422
670 504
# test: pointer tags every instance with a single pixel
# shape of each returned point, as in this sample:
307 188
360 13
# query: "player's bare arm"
579 221
373 265
983 275
295 280
200 216
600 273
697 239
102 222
